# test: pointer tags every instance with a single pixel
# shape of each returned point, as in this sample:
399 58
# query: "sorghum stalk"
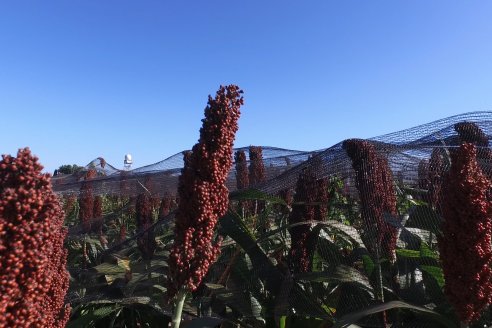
374 181
465 244
33 275
203 196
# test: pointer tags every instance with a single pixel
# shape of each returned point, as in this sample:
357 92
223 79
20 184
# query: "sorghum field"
393 231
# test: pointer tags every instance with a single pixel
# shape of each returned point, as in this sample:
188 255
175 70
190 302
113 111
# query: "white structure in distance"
128 161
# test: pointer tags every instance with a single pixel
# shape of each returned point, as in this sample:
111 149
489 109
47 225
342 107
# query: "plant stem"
463 325
178 308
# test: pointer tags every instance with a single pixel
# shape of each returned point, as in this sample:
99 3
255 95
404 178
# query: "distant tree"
68 169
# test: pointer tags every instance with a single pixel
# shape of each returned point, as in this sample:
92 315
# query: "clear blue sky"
82 79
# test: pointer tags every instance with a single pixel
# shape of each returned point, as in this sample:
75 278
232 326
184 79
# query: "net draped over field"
404 150
252 278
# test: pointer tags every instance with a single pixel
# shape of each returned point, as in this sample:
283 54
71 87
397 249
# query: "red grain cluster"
437 169
465 244
166 206
256 165
203 195
374 181
312 198
242 177
423 174
97 213
69 203
33 277
143 213
472 133
86 200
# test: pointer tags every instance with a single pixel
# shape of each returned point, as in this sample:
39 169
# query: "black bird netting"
351 234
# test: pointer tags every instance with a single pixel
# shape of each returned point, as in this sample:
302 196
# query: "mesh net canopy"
338 236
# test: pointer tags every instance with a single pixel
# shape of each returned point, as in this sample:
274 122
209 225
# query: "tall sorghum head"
86 200
256 165
33 277
242 176
465 244
69 203
471 133
203 195
144 218
165 206
437 168
423 174
374 181
312 198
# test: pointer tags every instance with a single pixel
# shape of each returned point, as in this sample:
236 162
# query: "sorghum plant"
165 206
437 169
86 200
465 244
242 177
98 213
144 219
69 203
423 174
374 181
256 165
33 277
471 133
203 196
312 196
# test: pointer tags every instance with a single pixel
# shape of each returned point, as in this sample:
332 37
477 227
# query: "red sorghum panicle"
242 177
143 212
437 169
374 181
423 174
312 196
287 195
98 203
33 275
256 165
471 133
102 162
97 221
203 195
69 203
465 244
165 206
86 200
